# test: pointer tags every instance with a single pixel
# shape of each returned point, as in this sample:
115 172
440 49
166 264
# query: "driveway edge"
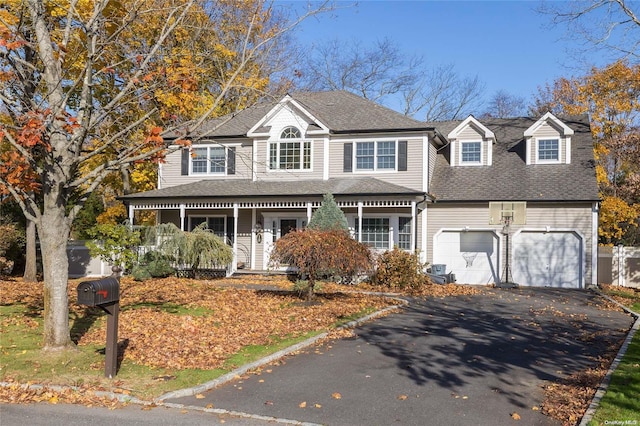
270 358
602 389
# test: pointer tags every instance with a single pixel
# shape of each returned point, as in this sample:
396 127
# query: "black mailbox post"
105 294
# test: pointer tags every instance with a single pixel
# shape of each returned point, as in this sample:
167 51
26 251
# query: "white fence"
619 265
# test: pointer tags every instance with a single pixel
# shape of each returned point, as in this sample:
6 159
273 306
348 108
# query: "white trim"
423 236
528 149
471 120
426 170
566 130
537 149
281 141
182 215
595 213
254 218
452 147
414 225
234 266
567 147
267 204
283 104
469 163
489 152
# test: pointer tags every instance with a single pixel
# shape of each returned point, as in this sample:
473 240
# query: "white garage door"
471 255
547 259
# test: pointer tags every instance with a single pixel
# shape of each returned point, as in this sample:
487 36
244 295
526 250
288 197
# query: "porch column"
234 265
131 215
413 227
359 221
423 235
595 213
309 210
183 209
253 237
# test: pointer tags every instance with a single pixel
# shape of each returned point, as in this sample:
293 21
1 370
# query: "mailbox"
99 292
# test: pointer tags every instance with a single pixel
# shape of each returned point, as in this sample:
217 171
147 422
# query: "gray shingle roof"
340 111
509 178
236 188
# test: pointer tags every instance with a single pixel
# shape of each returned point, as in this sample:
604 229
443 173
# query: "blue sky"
507 44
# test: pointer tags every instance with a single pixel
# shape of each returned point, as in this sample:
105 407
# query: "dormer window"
290 152
471 152
548 150
471 144
548 141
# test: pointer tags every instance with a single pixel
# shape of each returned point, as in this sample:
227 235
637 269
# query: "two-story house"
441 189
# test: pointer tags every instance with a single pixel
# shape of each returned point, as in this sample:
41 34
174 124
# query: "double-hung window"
376 155
404 233
548 150
290 152
208 160
375 232
471 152
217 224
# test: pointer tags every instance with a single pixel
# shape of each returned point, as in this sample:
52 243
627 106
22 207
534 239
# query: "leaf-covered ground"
183 323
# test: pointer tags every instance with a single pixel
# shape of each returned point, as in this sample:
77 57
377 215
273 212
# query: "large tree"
90 87
383 73
610 26
611 96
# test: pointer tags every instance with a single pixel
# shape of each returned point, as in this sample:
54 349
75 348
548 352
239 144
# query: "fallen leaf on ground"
303 404
336 395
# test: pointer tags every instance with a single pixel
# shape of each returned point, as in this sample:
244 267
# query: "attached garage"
547 259
471 255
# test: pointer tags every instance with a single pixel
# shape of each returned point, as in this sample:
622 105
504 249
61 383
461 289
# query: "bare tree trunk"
54 233
30 269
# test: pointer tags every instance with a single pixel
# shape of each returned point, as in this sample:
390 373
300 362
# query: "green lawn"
621 403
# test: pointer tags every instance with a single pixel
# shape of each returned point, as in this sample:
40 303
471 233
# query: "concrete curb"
602 389
269 359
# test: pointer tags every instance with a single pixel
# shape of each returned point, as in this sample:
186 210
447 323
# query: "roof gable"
262 127
553 121
473 122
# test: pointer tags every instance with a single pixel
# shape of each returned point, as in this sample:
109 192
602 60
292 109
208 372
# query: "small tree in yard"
328 216
196 248
114 244
313 251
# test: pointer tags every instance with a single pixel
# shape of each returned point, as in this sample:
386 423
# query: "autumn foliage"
399 270
611 97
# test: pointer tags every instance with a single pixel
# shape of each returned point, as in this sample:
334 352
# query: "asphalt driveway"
466 360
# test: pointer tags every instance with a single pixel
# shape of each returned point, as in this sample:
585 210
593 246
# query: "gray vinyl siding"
558 216
171 170
411 178
433 154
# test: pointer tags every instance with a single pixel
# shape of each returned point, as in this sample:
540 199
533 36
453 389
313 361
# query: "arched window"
290 152
290 133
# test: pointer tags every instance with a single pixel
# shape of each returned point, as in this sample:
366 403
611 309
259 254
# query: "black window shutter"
230 229
348 157
231 161
402 156
185 162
